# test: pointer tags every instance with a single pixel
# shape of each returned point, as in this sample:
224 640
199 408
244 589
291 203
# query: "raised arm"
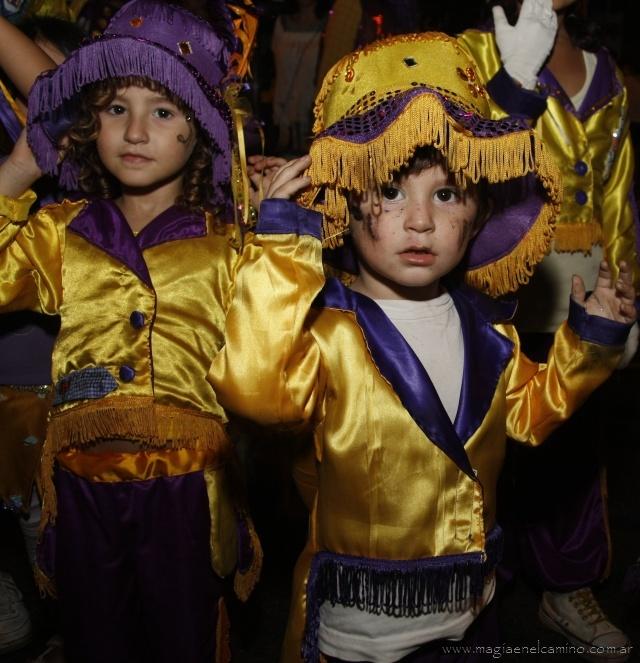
21 59
270 368
585 351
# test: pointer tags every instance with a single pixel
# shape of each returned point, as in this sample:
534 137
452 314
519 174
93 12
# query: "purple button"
127 373
581 167
137 319
581 197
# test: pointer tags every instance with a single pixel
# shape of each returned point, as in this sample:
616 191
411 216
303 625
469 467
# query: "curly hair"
95 179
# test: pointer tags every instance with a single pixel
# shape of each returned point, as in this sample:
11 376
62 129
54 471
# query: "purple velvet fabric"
595 329
486 354
150 39
513 98
279 216
8 119
102 224
133 570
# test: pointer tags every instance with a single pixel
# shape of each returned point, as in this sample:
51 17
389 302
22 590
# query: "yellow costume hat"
379 104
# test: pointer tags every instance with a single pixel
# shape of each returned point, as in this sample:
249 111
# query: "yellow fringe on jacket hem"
138 419
570 237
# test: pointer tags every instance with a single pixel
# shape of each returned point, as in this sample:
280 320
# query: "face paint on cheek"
467 229
185 139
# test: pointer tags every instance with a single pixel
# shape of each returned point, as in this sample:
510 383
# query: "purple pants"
133 570
483 635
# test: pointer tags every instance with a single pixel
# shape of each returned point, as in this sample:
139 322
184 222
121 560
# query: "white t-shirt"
432 329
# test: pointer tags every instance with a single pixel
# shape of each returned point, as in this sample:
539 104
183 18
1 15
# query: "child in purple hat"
142 523
408 379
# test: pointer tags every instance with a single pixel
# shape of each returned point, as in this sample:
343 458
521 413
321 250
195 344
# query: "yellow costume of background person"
601 141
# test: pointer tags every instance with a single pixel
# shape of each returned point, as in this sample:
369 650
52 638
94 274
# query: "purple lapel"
486 354
604 86
102 224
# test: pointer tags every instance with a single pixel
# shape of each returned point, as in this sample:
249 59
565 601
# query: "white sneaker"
15 625
578 616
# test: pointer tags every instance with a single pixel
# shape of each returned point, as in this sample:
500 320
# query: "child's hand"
526 45
614 301
288 180
261 170
20 170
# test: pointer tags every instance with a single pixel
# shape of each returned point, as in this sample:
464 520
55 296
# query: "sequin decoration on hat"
379 104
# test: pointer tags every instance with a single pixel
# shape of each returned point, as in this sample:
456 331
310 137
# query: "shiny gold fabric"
603 142
169 406
384 490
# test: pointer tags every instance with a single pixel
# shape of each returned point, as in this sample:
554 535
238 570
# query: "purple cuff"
514 99
279 216
595 329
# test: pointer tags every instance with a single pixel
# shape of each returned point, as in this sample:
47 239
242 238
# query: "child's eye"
447 195
115 109
391 193
163 113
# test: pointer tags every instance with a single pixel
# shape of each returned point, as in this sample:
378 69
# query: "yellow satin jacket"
403 493
592 146
142 316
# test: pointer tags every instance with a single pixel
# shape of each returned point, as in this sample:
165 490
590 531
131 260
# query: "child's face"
411 235
145 140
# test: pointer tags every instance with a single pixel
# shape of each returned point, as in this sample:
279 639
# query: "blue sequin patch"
93 382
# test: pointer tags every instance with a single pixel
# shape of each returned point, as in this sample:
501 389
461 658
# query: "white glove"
630 347
526 45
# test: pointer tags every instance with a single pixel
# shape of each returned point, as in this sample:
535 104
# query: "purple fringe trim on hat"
116 57
399 588
366 126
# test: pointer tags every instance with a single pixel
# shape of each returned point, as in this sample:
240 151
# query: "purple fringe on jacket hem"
399 588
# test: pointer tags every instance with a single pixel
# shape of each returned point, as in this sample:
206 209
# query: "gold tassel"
244 583
44 583
223 636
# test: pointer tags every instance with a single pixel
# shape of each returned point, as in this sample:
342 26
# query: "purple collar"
486 354
604 86
102 224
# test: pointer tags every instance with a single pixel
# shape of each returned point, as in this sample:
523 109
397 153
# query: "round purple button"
581 167
137 319
581 197
126 373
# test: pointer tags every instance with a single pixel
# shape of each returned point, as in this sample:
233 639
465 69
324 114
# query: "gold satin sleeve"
30 256
618 224
539 397
269 369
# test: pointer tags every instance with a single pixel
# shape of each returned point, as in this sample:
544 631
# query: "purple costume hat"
379 104
162 42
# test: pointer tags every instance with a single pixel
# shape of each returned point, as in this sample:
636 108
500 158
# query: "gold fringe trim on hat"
511 271
244 582
571 237
340 165
136 418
